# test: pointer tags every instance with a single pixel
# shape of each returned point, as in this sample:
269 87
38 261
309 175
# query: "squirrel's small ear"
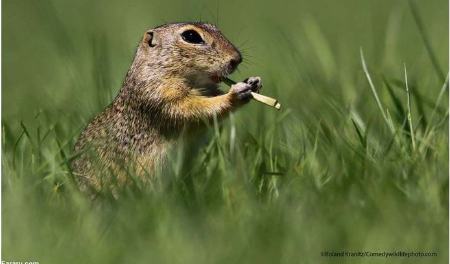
149 38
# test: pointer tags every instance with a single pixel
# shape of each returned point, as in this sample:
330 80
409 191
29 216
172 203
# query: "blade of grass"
362 139
431 127
27 135
374 91
408 96
418 99
65 159
439 98
15 146
397 102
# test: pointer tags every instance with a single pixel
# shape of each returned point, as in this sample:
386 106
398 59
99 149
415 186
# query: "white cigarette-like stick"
266 100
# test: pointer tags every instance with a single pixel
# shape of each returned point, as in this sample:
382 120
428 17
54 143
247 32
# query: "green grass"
357 159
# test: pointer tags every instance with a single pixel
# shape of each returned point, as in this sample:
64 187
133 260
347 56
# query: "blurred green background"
331 171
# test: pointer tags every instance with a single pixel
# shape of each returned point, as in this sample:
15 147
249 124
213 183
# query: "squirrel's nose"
236 60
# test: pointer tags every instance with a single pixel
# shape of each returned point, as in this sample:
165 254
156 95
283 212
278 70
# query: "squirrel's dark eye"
192 36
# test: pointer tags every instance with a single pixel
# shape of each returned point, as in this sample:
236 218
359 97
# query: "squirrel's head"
194 52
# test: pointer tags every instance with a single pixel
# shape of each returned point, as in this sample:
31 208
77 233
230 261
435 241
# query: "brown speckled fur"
167 88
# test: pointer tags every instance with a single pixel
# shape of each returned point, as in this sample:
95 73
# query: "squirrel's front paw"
241 91
255 83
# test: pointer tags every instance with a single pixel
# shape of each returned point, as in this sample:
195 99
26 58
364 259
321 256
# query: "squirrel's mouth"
226 70
221 75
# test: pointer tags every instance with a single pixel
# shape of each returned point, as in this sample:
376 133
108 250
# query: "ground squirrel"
172 84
